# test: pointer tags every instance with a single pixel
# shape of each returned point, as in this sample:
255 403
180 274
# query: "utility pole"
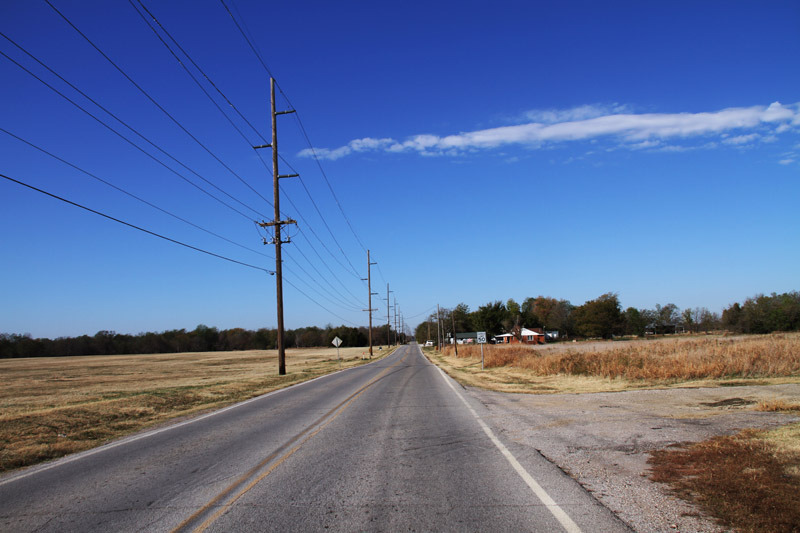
395 321
455 337
369 301
438 329
277 223
388 321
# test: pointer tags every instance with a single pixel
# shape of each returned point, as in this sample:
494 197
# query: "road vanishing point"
395 445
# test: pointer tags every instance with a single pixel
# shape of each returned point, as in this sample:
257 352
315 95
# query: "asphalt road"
390 446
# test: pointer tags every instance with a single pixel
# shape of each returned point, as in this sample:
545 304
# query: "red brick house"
522 336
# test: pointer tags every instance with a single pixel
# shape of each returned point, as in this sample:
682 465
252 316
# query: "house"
464 338
523 336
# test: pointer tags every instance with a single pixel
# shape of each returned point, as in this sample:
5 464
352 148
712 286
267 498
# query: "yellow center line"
326 419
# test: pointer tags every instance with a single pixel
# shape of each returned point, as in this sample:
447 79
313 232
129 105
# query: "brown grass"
780 406
50 407
747 481
632 364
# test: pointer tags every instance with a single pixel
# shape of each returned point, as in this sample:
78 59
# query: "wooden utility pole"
388 320
395 321
438 329
277 223
455 337
369 301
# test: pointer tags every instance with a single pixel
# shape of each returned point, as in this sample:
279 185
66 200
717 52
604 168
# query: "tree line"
604 317
201 339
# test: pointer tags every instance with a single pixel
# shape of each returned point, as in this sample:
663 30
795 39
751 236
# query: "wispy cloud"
589 123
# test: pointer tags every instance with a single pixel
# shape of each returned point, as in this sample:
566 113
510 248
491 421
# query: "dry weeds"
50 407
612 366
748 481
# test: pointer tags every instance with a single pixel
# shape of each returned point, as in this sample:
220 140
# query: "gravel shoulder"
603 440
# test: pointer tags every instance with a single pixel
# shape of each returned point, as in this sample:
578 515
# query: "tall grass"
775 355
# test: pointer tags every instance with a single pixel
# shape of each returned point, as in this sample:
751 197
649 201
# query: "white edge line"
133 438
537 489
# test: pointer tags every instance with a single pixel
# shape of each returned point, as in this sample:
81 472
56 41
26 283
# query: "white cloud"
786 161
356 145
589 123
552 116
741 139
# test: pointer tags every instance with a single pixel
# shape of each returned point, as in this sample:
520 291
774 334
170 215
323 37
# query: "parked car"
428 343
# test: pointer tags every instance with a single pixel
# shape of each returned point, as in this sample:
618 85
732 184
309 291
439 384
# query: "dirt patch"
730 402
743 480
604 440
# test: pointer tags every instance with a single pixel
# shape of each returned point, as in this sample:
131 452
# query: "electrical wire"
123 191
152 100
104 124
184 52
234 125
9 178
304 132
318 304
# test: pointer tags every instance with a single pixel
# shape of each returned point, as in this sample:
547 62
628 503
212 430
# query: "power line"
355 307
354 272
305 134
152 100
120 189
232 123
252 47
104 124
134 226
184 52
319 304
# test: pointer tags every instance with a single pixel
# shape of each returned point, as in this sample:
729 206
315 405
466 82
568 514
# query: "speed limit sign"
481 337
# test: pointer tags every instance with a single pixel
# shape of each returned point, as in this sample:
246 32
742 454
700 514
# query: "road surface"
390 446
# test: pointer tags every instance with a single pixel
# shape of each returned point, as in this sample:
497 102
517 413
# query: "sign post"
481 341
337 342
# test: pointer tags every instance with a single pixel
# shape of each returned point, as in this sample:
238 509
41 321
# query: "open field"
607 366
53 406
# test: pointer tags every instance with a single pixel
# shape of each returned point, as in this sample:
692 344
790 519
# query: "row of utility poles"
277 223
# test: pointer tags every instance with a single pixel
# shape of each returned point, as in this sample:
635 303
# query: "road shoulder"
603 440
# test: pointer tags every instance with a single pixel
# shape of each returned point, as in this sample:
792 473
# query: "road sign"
481 337
337 342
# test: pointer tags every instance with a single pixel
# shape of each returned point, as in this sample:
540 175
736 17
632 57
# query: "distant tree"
732 317
688 320
463 318
636 322
490 318
513 318
666 318
706 320
599 318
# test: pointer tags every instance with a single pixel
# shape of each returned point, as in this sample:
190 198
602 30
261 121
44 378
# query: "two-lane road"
390 446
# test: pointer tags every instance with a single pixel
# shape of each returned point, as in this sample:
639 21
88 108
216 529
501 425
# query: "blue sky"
481 151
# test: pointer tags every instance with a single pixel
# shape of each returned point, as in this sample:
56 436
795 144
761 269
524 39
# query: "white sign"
481 337
338 342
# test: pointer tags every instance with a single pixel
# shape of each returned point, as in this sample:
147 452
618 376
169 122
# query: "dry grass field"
53 406
623 365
